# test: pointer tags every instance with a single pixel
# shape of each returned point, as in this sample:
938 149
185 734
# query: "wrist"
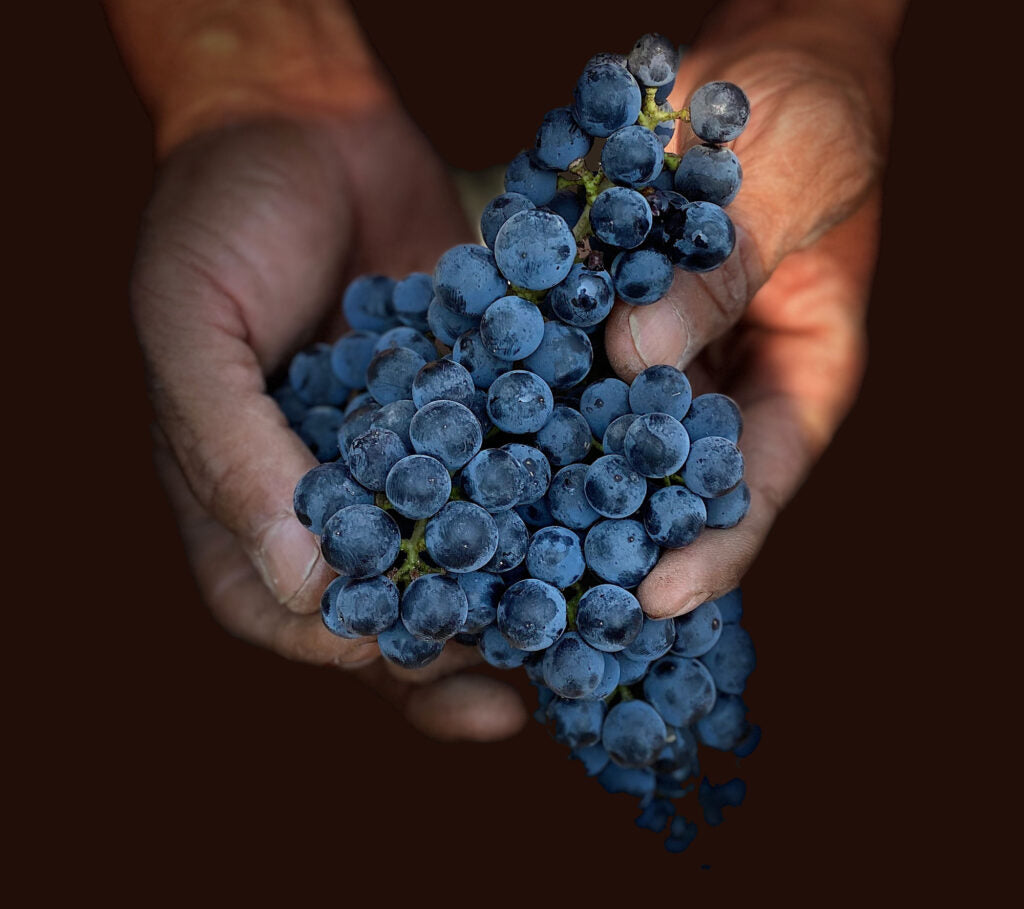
201 64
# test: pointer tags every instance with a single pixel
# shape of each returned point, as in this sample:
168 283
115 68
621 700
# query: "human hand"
250 232
780 326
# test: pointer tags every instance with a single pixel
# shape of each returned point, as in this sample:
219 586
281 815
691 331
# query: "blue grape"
621 217
534 249
577 722
655 639
324 490
494 479
513 539
395 417
633 734
560 140
447 325
609 618
411 299
351 355
372 455
750 741
728 510
448 431
584 298
565 437
681 836
555 556
631 671
567 499
355 423
519 402
661 389
367 303
679 756
572 668
674 517
498 211
390 375
698 238
526 176
367 606
330 613
418 486
632 156
563 357
731 660
656 815
360 399
605 99
319 430
461 537
472 354
698 630
532 614
653 61
467 280
656 445
712 415
709 174
606 57
434 607
398 646
613 488
730 607
593 757
536 514
568 204
680 689
664 181
603 401
360 541
512 328
615 435
642 276
726 726
610 678
312 378
719 112
292 406
482 592
639 781
478 405
536 471
714 467
404 336
620 552
442 380
497 651
664 131
713 798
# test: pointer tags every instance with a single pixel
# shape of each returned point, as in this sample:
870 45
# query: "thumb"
809 154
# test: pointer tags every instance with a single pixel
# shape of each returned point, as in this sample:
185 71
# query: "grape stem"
651 116
413 566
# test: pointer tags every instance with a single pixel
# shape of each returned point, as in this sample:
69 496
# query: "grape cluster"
485 477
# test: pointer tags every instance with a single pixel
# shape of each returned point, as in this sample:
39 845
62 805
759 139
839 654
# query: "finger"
810 153
235 253
466 707
806 354
237 596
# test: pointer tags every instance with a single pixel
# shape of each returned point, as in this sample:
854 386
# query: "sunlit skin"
255 226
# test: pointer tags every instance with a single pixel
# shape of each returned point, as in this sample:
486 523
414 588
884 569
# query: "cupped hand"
251 231
780 326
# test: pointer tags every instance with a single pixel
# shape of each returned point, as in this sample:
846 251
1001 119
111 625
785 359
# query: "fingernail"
693 603
286 557
659 334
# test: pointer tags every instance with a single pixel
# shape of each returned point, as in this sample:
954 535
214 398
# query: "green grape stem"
651 116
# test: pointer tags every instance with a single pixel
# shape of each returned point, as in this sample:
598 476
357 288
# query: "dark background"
160 755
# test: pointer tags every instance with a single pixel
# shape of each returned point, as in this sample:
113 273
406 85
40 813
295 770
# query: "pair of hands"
253 228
